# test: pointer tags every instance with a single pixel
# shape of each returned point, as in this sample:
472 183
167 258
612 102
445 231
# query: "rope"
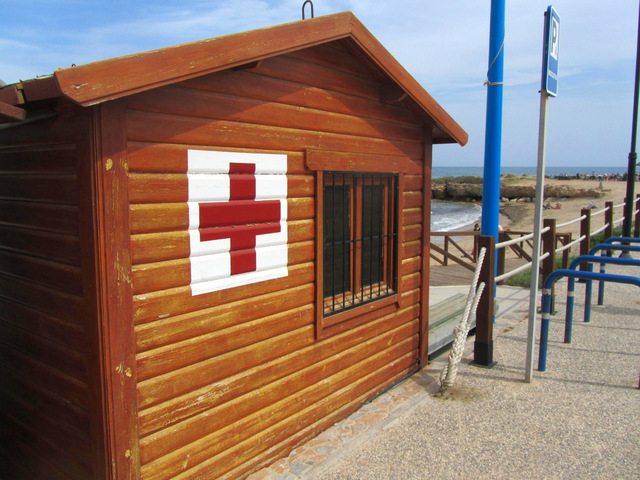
487 82
461 331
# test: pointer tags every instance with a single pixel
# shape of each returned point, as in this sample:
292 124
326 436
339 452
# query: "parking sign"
551 49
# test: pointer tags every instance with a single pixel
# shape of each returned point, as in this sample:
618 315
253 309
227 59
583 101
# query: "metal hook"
304 5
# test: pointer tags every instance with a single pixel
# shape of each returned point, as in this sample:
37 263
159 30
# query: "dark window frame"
329 320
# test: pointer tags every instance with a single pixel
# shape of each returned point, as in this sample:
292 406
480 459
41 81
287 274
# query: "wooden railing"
553 243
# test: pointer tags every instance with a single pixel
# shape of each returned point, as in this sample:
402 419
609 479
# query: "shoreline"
519 215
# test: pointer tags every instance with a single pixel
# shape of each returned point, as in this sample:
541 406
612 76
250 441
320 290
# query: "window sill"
339 322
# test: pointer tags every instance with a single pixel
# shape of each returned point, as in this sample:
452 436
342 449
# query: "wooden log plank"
163 246
319 400
218 388
48 459
13 467
57 189
55 218
412 216
267 457
38 159
412 199
414 182
410 265
412 249
52 133
65 278
152 363
43 377
49 301
207 423
339 161
174 188
75 441
152 157
47 245
412 232
411 282
46 326
292 69
167 217
177 100
156 305
203 322
335 57
155 127
245 455
254 85
43 402
58 357
172 384
151 277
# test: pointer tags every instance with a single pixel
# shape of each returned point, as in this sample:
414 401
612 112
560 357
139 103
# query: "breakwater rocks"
473 191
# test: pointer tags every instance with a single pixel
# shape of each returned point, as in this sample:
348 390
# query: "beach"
518 214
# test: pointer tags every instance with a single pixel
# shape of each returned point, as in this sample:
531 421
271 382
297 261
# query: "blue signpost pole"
483 345
493 132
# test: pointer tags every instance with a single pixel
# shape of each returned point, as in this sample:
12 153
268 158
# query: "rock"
473 192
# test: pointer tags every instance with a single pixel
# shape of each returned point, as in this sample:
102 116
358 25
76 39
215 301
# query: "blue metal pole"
568 317
493 132
544 329
588 288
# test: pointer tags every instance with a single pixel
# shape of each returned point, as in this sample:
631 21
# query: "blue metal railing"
589 259
607 246
546 300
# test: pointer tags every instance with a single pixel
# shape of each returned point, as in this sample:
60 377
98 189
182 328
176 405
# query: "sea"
450 216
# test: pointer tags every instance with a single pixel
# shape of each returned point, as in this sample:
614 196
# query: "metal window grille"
360 239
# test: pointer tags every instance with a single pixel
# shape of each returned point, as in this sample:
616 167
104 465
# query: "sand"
519 215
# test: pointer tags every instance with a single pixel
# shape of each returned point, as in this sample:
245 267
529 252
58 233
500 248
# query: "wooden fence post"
608 220
585 229
549 245
483 345
446 249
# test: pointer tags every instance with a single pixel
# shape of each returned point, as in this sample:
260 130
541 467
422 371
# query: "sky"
443 44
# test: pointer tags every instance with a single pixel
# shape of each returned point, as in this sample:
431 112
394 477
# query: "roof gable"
119 77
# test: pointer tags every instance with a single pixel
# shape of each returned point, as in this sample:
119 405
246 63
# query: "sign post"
549 88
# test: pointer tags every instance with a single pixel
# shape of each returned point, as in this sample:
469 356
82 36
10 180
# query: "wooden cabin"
210 253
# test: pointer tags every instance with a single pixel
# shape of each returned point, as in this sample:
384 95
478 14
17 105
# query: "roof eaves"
110 79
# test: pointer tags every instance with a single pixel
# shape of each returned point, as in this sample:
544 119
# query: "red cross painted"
241 219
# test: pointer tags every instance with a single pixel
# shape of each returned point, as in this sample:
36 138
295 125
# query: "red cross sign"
237 218
240 219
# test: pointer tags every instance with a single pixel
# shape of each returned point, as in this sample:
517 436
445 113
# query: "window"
360 240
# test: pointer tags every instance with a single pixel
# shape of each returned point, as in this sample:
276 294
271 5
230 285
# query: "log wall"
230 380
49 417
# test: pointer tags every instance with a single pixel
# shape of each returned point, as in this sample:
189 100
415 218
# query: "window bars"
360 239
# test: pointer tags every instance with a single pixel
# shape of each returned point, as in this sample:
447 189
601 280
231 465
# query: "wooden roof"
105 80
